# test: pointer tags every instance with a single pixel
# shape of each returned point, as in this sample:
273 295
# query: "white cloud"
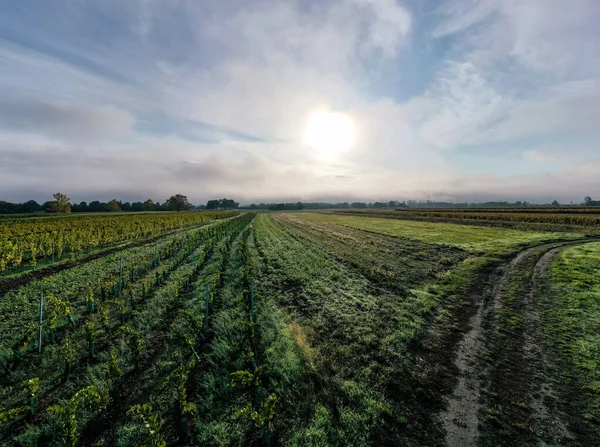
539 157
502 72
388 27
461 15
64 121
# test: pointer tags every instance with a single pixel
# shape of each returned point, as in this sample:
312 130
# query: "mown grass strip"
471 238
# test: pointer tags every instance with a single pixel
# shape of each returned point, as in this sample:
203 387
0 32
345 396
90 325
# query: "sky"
459 100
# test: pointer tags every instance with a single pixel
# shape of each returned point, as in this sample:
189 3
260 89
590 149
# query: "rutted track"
505 394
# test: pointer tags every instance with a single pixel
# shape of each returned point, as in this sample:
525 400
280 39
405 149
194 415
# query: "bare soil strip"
505 394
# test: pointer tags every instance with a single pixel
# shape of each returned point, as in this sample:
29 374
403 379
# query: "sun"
329 133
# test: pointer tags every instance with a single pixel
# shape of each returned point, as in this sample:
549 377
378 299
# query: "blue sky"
453 100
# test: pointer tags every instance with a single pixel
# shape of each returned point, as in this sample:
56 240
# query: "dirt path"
505 394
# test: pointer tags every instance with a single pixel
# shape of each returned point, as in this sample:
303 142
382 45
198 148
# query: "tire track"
467 414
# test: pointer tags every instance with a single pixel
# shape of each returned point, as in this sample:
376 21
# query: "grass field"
471 238
581 219
572 318
305 329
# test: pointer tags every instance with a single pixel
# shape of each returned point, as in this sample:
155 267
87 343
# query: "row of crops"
243 331
543 217
52 237
294 329
520 209
561 219
82 344
180 342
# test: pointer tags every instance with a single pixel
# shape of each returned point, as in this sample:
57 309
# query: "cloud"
461 15
64 121
540 157
211 98
388 27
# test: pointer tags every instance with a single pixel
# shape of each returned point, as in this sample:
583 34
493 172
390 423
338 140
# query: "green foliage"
30 387
151 422
88 398
68 355
245 378
114 369
318 433
179 378
90 300
185 330
178 202
571 319
134 339
471 238
13 413
263 416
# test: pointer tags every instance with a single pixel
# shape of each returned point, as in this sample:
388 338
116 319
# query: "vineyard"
52 237
587 219
238 329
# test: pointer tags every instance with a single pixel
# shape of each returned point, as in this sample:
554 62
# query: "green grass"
359 330
572 319
474 239
354 321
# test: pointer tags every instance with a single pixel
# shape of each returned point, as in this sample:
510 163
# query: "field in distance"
585 219
301 329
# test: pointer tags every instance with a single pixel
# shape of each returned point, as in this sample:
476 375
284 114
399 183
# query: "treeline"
62 205
179 202
220 204
404 204
31 206
322 205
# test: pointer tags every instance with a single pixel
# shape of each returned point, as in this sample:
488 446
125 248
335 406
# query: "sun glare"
329 133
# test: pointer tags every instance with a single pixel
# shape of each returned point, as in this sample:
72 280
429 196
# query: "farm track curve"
525 408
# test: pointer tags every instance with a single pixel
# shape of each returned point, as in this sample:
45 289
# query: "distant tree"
126 206
178 202
48 206
113 206
358 205
82 207
148 205
555 203
9 208
61 203
96 206
588 201
31 206
212 205
137 206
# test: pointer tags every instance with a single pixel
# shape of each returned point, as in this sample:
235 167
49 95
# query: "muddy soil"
506 392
